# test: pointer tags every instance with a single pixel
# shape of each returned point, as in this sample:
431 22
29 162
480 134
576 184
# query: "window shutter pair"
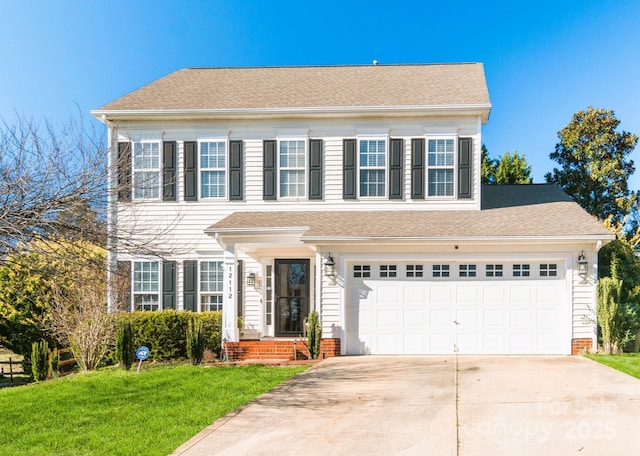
236 171
190 269
465 168
270 169
349 170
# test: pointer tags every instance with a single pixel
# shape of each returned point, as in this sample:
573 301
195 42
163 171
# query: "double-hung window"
441 160
146 285
292 161
372 167
211 282
146 170
213 169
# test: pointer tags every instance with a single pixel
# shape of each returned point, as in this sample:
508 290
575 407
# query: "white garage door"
474 308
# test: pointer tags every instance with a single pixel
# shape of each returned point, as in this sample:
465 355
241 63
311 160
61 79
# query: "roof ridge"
346 65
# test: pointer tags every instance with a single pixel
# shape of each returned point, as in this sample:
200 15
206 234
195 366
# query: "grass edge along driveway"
629 363
122 413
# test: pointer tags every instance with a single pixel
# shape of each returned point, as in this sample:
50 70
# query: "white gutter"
468 239
462 109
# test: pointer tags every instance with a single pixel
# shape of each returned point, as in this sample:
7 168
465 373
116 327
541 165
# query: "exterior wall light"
583 267
330 267
251 279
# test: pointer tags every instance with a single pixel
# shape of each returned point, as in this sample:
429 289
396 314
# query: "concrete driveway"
430 405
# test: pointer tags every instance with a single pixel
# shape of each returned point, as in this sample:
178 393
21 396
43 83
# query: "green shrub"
314 335
212 325
125 349
195 340
54 360
39 360
165 333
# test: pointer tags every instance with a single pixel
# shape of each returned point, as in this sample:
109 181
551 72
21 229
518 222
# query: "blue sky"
544 60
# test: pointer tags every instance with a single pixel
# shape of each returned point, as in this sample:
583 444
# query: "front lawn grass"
123 413
629 363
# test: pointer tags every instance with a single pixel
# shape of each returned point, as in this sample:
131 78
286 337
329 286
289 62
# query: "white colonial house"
352 190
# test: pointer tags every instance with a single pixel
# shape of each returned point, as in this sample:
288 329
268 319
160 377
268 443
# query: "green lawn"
123 413
628 363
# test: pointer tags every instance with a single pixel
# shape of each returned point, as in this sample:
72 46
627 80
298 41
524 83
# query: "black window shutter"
122 286
315 169
240 287
124 171
417 168
269 170
190 171
236 187
169 171
465 168
168 285
190 285
349 169
395 169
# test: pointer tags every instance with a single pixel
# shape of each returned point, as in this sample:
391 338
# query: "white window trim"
454 167
133 283
386 166
279 169
199 282
224 140
158 171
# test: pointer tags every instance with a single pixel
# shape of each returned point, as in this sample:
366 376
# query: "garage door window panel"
414 271
467 270
440 270
361 271
521 270
494 270
548 270
388 271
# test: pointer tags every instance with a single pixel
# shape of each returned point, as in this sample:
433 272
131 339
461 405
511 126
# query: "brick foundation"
579 346
279 349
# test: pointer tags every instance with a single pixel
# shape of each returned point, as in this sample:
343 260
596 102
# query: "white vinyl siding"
146 170
292 168
372 168
440 161
146 285
213 169
211 283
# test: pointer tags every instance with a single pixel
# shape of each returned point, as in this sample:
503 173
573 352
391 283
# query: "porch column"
229 300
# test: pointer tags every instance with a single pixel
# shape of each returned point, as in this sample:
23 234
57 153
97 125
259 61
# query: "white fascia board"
481 110
253 231
468 240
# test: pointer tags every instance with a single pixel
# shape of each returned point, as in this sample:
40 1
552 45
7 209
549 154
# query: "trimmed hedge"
165 333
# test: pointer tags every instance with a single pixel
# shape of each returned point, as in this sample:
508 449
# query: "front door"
291 296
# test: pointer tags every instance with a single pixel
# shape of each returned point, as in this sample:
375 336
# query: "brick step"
278 349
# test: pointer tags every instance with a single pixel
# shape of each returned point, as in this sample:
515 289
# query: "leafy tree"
594 165
488 167
26 290
512 169
508 169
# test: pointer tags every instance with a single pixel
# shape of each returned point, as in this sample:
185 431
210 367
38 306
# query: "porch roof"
509 213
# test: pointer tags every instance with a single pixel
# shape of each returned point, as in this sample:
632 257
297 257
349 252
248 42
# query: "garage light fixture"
583 267
330 267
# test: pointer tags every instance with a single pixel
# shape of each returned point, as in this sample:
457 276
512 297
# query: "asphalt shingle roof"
537 210
310 86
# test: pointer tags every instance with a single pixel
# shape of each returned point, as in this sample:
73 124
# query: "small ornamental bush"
314 335
125 349
195 340
54 360
39 360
